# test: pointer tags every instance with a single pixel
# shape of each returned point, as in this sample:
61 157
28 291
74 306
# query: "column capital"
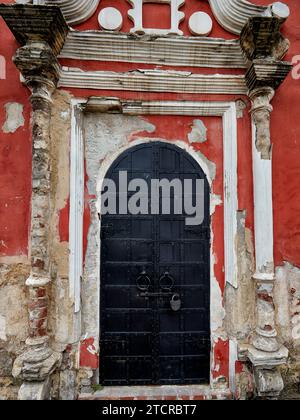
261 114
40 70
261 98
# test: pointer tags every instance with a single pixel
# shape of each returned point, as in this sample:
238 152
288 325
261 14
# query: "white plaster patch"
198 133
14 117
65 115
2 328
105 135
215 201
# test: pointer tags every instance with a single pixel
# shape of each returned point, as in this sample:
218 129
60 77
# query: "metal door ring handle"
143 282
166 282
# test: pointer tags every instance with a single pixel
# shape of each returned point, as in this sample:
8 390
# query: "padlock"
175 302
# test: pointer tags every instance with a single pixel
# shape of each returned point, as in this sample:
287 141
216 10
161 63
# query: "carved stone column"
42 31
264 46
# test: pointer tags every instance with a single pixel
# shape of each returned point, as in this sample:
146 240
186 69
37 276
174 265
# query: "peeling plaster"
198 133
240 301
13 310
217 308
14 117
106 135
211 167
215 201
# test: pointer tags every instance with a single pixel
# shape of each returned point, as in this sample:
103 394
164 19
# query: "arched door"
155 280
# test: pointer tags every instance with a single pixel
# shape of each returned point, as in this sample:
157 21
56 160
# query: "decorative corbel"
41 31
264 47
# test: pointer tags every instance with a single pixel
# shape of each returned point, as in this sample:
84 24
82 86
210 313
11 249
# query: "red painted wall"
15 158
285 132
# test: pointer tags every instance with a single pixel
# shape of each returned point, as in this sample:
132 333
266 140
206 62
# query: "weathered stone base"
262 359
36 364
269 383
35 391
159 393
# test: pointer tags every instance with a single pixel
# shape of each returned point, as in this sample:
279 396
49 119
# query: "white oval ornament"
280 10
110 19
200 23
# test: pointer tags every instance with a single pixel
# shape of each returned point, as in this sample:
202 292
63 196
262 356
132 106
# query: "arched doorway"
155 278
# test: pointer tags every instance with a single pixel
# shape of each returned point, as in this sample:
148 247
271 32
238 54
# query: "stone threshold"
166 392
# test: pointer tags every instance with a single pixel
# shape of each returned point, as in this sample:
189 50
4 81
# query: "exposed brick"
37 292
37 303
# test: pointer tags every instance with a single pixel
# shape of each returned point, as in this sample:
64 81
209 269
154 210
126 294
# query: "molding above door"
166 50
154 81
231 14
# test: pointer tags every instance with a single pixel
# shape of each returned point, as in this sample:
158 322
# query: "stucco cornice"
231 14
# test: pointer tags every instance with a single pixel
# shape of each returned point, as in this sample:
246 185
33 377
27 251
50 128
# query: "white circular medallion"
110 19
200 23
280 10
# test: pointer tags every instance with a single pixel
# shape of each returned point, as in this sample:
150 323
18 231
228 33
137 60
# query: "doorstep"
154 393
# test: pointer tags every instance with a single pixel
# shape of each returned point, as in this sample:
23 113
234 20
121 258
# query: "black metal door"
147 261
